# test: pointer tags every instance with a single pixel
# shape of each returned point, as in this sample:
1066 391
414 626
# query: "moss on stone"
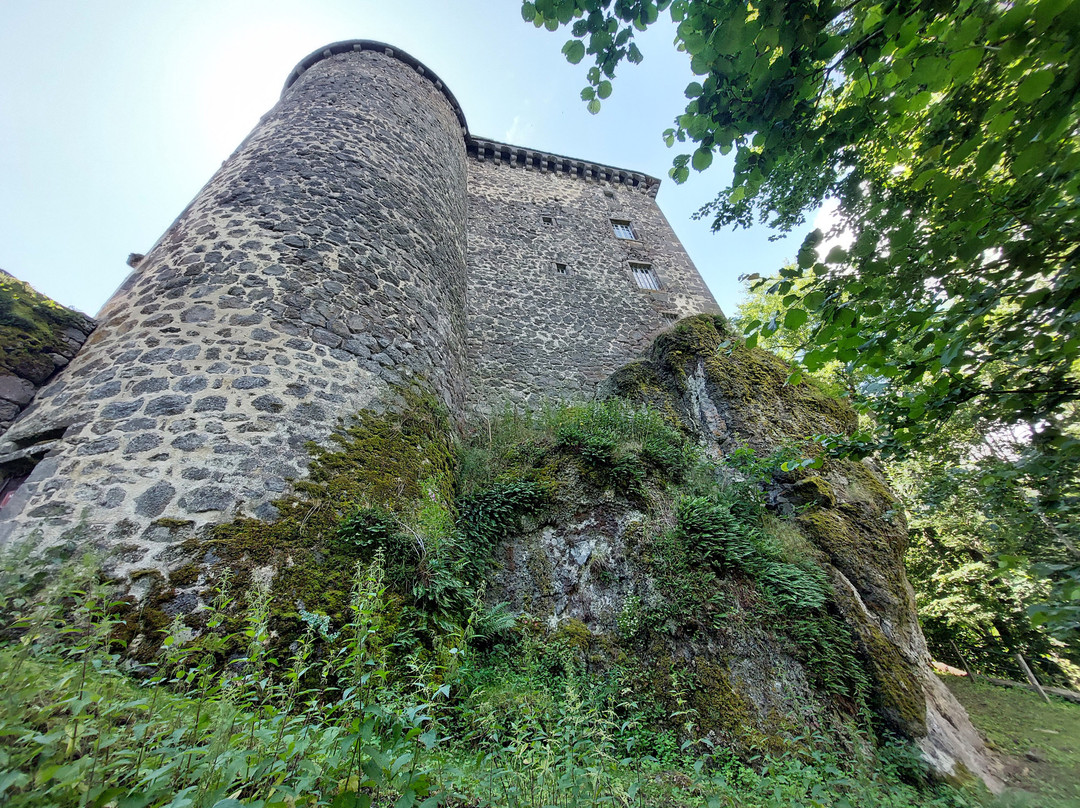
813 490
750 385
32 327
864 548
898 694
574 634
398 461
866 485
641 383
720 707
142 624
597 651
185 575
169 522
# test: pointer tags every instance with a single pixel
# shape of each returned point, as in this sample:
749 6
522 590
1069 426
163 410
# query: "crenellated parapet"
546 162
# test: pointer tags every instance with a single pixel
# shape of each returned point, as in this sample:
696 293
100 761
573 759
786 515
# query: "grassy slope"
1040 741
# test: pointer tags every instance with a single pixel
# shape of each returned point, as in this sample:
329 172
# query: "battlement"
482 148
544 162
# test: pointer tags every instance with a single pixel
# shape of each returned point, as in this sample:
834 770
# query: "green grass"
325 727
1040 742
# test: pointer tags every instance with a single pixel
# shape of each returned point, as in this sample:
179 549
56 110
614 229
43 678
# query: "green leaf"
693 89
702 159
1035 85
794 318
528 12
574 50
603 89
594 106
962 65
794 378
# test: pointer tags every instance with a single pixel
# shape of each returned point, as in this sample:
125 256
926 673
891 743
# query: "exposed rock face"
38 338
587 563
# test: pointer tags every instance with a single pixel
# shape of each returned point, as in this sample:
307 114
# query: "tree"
947 133
983 558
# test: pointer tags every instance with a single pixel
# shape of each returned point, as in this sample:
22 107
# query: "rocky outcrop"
38 337
736 399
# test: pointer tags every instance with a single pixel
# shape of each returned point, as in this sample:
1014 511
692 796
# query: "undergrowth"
324 727
416 689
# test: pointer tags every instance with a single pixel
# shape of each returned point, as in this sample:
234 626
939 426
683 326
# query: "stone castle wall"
554 306
358 241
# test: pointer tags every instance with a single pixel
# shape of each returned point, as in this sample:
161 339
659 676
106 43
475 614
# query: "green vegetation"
330 724
348 653
945 135
985 556
1041 741
31 327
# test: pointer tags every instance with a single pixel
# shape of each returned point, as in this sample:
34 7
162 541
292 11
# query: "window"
623 229
560 268
645 276
548 220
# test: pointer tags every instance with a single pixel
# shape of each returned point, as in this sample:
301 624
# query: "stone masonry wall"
323 263
537 332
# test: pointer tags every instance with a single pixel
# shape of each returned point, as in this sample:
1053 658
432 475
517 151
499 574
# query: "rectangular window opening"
623 230
548 220
645 276
560 268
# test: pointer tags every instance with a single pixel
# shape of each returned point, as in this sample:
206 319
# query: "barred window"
623 229
645 276
560 268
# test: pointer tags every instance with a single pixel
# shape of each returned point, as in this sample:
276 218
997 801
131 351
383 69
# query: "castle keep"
359 241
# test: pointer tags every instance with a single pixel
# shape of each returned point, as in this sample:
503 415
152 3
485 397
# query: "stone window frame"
548 220
560 268
623 229
645 276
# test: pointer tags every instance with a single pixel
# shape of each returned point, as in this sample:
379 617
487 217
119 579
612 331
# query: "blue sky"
114 113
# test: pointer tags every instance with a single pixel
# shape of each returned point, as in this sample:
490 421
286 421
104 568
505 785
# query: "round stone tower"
320 270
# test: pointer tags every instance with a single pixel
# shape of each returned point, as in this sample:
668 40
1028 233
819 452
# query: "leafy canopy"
946 132
991 518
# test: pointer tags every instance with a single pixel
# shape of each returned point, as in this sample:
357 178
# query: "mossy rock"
868 551
897 695
143 623
747 386
32 327
812 490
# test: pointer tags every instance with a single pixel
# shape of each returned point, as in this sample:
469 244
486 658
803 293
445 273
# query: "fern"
794 586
